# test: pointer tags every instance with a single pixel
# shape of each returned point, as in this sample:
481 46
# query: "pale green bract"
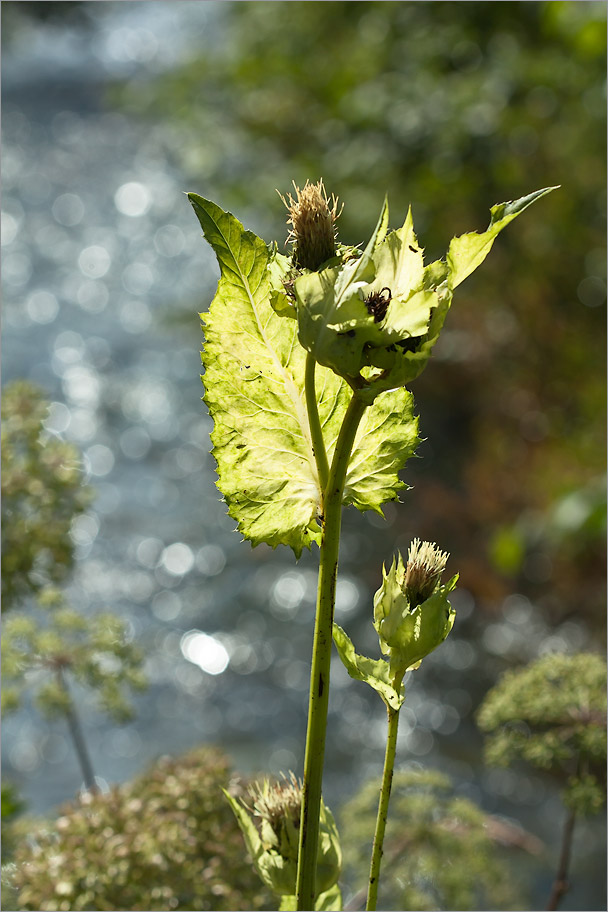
277 864
375 672
338 326
254 388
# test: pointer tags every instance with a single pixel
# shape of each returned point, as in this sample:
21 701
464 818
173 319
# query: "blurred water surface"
103 273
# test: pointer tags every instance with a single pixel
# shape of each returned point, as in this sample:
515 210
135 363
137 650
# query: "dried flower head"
312 221
276 801
425 564
273 841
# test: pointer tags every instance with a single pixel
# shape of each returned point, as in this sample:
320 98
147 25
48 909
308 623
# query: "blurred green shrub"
167 840
438 851
552 715
42 492
96 652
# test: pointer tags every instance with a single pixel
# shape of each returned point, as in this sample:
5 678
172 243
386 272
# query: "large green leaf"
254 370
254 388
386 438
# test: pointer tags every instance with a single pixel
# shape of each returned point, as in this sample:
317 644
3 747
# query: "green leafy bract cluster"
97 652
408 628
552 714
273 844
167 840
374 320
42 492
439 852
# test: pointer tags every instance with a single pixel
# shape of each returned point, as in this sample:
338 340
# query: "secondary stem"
80 744
316 432
321 656
560 884
385 794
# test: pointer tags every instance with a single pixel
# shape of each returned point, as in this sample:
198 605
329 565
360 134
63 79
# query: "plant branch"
316 432
560 884
385 794
321 656
77 736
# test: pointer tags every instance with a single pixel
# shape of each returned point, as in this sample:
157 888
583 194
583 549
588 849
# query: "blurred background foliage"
167 840
552 715
43 491
441 851
452 107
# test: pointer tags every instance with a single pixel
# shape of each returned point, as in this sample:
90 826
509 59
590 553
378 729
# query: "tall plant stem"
560 884
321 656
385 794
80 744
316 432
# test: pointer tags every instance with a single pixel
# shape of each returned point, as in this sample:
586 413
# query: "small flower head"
273 843
412 614
425 564
312 221
278 805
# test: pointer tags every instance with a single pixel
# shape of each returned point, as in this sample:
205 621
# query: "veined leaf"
386 438
254 388
375 672
468 251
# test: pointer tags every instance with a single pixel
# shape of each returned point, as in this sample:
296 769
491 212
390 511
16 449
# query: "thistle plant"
412 616
306 362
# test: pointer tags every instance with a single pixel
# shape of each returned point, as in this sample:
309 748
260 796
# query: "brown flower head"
312 221
425 564
276 801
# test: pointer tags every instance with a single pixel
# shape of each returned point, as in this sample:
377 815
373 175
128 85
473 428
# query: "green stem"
321 656
385 794
316 432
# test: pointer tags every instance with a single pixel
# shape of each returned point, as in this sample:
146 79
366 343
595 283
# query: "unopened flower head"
425 564
312 221
412 612
278 802
273 842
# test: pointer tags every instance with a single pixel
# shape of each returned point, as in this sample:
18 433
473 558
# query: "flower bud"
273 844
412 614
312 217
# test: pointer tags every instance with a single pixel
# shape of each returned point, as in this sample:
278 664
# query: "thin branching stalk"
385 794
321 656
79 742
560 884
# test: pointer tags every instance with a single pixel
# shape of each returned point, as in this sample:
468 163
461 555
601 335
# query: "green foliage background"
43 491
439 851
450 107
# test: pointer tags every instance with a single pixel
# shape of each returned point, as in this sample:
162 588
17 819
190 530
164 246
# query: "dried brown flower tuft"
425 564
312 220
